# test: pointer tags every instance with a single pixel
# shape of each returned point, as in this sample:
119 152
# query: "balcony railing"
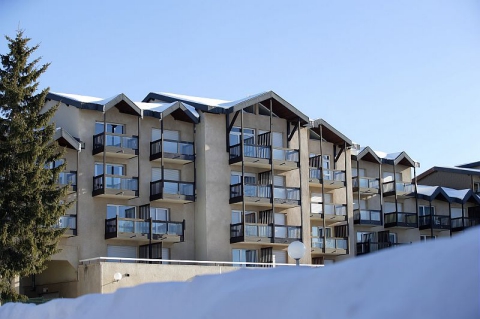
367 217
68 178
401 187
115 182
69 221
460 223
329 243
275 233
265 191
369 247
115 140
264 152
172 187
439 222
184 150
116 225
401 219
328 174
366 182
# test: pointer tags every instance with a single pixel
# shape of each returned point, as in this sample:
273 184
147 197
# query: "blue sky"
393 75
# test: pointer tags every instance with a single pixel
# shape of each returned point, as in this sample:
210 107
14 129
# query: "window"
318 231
159 214
244 255
236 178
170 174
390 207
167 135
392 238
388 177
476 187
248 135
361 172
365 237
55 164
120 211
425 210
457 212
111 169
111 128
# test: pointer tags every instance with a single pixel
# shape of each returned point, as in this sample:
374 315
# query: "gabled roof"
399 158
430 193
329 133
455 170
280 107
461 196
66 139
366 154
179 110
120 101
469 165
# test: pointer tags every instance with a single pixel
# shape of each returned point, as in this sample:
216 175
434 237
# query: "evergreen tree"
30 198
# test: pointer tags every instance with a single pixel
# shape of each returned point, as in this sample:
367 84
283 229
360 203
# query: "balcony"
70 179
117 145
330 179
140 230
173 151
439 222
172 191
115 186
261 156
402 189
264 233
262 195
329 245
367 186
367 217
370 247
69 223
401 220
461 223
333 213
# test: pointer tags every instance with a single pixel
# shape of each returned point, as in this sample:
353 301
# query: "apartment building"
195 180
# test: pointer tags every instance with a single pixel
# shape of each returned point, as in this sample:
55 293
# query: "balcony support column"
272 173
358 190
416 195
138 157
150 232
242 145
300 175
395 191
161 157
77 192
195 162
380 184
450 217
431 219
104 149
323 190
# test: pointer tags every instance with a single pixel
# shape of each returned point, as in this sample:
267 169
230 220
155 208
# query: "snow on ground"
427 280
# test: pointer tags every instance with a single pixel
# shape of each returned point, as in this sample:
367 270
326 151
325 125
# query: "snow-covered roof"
329 133
179 110
447 169
367 154
397 158
280 107
120 101
67 139
449 194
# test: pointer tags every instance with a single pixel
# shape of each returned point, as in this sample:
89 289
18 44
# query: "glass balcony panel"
330 243
317 242
251 231
170 147
175 229
264 231
280 193
159 228
280 232
341 243
66 178
375 215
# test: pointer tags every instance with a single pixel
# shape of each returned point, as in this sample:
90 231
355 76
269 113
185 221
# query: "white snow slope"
434 280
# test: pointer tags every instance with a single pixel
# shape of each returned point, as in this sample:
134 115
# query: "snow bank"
434 280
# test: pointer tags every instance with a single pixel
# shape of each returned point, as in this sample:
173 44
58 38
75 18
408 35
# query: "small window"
161 214
425 238
476 187
425 210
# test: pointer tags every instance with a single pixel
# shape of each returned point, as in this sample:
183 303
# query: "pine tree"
30 198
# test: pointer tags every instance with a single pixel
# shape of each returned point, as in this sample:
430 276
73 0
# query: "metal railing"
367 215
266 231
402 218
67 221
330 243
265 191
173 262
265 152
142 226
438 221
115 182
463 222
172 146
115 140
400 187
172 187
366 182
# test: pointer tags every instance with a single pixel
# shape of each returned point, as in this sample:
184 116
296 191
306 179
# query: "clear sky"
393 75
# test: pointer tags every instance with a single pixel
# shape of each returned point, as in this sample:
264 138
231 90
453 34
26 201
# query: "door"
121 251
280 229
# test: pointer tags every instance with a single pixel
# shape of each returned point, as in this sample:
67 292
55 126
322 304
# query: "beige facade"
174 178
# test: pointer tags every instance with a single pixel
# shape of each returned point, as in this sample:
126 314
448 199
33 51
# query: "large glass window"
111 169
159 214
248 135
111 128
244 255
425 210
120 211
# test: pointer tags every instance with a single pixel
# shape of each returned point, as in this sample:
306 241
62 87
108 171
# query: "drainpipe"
272 174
